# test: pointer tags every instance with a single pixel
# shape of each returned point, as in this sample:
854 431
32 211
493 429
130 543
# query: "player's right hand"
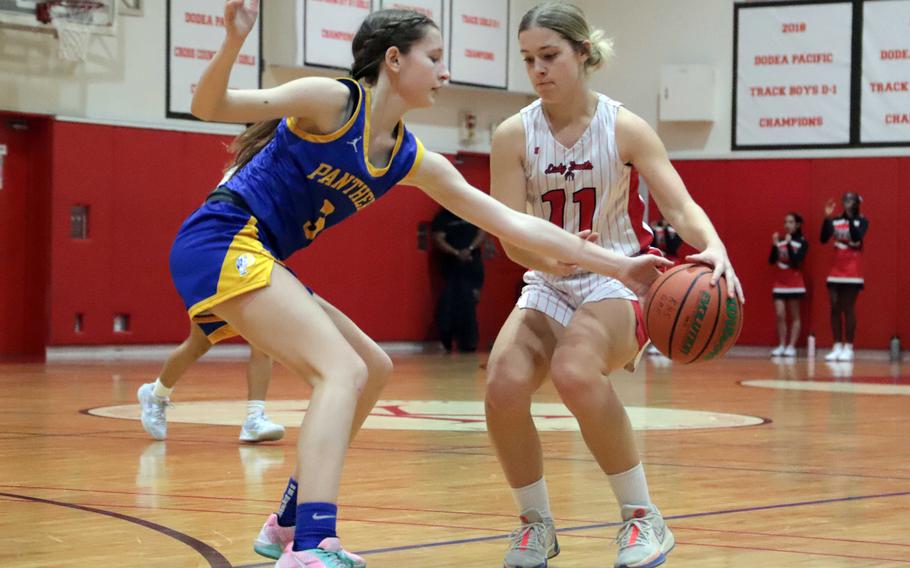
240 17
829 207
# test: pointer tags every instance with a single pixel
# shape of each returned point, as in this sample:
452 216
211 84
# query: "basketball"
687 319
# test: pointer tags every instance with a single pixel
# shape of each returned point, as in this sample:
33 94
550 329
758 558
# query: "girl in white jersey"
569 157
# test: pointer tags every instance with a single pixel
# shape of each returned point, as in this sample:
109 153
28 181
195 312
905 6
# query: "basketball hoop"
73 21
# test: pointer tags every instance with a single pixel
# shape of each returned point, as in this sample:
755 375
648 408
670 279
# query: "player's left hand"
716 256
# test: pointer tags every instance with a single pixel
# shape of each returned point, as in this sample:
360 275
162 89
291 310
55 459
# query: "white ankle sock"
254 407
534 496
630 487
160 390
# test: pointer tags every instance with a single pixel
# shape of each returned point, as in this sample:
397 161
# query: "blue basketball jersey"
300 183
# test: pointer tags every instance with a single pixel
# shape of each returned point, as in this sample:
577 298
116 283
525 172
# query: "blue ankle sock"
287 510
315 521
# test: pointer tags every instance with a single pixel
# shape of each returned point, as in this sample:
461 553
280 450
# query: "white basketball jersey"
586 186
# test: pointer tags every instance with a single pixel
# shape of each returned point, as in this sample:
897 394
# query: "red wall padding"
141 184
25 202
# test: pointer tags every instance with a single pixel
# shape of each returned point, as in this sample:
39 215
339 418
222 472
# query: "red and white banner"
196 32
429 8
886 72
329 28
793 75
479 36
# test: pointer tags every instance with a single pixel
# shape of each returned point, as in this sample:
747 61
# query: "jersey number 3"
313 228
585 197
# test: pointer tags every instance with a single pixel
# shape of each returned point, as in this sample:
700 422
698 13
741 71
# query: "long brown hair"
250 141
378 32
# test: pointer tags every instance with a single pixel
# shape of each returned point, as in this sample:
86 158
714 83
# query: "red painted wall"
24 237
141 184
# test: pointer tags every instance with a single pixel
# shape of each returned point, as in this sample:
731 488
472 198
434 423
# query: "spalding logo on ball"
689 320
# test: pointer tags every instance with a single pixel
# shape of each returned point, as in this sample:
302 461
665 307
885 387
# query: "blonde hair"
569 21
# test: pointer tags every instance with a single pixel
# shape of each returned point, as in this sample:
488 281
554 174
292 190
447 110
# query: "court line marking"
212 556
459 451
348 519
201 547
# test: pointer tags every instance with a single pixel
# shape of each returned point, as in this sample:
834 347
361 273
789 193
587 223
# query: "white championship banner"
330 26
479 36
195 33
886 72
430 8
793 75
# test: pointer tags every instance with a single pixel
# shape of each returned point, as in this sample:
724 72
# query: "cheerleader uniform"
788 255
848 233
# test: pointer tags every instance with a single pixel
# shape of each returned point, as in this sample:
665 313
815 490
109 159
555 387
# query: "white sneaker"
778 351
790 351
258 428
533 543
835 352
846 353
153 411
644 539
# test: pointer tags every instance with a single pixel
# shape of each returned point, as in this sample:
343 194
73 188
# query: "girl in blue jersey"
327 149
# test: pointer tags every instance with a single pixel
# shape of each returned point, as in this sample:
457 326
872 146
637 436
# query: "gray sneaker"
153 408
533 543
259 428
644 539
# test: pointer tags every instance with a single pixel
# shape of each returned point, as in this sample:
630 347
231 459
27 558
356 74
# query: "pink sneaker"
273 538
329 554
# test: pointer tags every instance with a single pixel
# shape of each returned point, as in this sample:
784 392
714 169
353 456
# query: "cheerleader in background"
845 281
789 286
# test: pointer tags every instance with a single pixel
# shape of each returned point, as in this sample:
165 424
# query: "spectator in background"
459 243
846 277
789 286
666 239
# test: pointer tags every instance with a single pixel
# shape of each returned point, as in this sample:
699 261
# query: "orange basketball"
687 319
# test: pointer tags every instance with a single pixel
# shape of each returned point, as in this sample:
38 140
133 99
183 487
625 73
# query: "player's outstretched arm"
440 180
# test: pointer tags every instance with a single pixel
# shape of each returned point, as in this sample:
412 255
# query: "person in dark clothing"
788 254
459 243
666 239
845 281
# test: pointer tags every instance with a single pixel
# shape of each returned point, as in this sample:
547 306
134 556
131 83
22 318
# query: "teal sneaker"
329 554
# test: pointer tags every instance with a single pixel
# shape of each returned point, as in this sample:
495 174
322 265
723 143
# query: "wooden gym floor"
810 467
